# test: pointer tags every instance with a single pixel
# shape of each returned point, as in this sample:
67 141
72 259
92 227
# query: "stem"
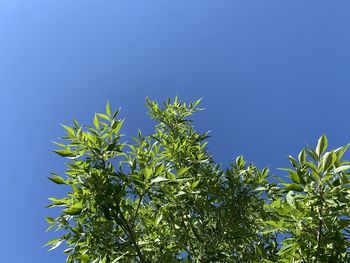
137 210
189 240
319 235
128 230
320 223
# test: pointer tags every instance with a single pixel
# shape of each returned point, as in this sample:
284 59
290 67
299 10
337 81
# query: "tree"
163 198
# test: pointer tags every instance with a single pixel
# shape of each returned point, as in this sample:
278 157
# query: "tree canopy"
163 198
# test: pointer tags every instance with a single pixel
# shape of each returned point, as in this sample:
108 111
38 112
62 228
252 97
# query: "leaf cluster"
163 198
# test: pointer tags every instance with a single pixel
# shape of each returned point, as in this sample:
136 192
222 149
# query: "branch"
131 234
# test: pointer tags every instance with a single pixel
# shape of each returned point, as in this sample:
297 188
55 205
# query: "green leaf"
159 179
341 150
64 153
295 187
341 168
181 171
57 179
295 177
73 209
290 198
293 161
108 109
50 220
68 250
96 122
55 243
159 169
84 258
328 160
312 154
302 156
104 116
194 184
321 145
69 130
269 229
147 172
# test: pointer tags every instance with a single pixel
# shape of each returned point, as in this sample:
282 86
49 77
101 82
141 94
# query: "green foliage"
312 213
163 198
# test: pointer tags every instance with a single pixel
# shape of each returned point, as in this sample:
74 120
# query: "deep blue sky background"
274 75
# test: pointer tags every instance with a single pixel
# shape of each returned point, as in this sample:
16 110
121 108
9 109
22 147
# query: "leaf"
293 161
64 153
118 258
54 244
108 109
68 250
73 209
56 179
302 156
240 162
341 168
328 159
69 130
50 220
84 258
290 198
147 172
159 218
104 116
159 179
295 177
312 154
159 169
58 202
181 171
295 187
96 122
321 145
269 229
180 193
194 184
341 150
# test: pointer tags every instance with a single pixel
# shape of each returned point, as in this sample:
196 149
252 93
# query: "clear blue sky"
274 75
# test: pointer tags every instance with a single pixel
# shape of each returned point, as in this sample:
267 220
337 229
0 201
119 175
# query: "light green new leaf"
55 244
108 109
64 153
159 179
341 168
147 172
290 198
181 171
57 179
69 130
321 145
96 122
84 258
73 209
50 220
